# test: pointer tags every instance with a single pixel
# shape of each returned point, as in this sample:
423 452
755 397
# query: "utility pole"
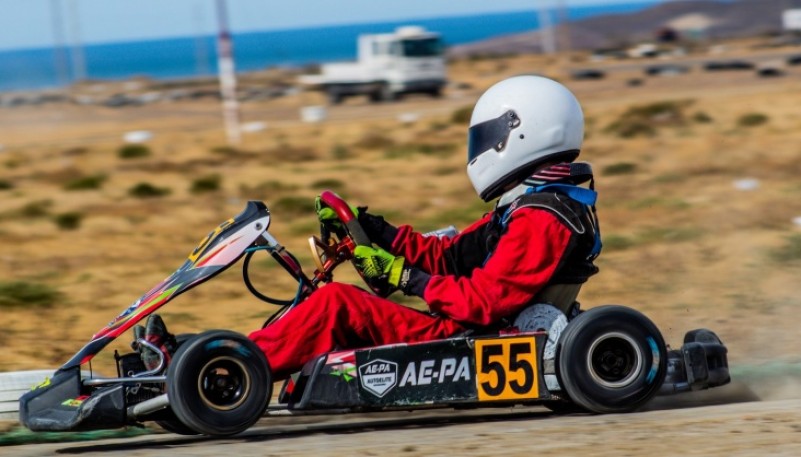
78 60
565 43
59 52
546 28
227 75
201 50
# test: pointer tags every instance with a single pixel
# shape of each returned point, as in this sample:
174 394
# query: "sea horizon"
195 56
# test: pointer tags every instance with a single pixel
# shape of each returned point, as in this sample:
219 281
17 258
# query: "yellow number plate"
506 368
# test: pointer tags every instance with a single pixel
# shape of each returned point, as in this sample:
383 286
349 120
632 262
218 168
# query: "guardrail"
15 383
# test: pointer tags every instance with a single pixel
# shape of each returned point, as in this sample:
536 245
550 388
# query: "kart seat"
562 296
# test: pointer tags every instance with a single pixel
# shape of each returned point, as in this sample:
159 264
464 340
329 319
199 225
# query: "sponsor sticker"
75 402
379 376
435 371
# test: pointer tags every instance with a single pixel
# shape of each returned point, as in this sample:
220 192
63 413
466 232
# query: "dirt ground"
697 219
738 428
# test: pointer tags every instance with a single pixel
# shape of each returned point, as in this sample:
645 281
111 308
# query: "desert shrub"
430 149
661 202
790 252
69 220
631 129
19 294
462 115
621 168
752 120
133 151
669 234
85 183
665 111
225 150
6 184
230 152
438 126
374 140
293 206
670 178
36 209
437 149
400 151
702 118
446 170
209 183
147 190
643 120
265 190
340 152
333 184
288 152
617 242
75 152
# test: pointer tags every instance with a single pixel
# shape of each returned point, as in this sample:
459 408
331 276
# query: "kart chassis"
607 359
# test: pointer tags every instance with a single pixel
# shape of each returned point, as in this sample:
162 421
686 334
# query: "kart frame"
607 359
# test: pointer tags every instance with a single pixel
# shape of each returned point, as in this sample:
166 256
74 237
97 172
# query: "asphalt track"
728 421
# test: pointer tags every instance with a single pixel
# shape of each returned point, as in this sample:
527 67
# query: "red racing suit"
487 273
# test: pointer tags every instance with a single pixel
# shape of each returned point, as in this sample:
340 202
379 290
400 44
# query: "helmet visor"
491 134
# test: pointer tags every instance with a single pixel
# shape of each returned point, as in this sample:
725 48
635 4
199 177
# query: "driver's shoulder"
538 208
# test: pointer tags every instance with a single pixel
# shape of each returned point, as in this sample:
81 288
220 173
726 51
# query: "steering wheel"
327 253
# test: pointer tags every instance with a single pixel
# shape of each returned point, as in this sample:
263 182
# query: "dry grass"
682 243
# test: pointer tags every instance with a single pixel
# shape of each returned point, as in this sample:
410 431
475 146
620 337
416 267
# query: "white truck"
410 60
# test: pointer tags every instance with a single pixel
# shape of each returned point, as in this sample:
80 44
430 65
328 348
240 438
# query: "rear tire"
219 383
611 359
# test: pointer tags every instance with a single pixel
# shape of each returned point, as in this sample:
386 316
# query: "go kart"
607 359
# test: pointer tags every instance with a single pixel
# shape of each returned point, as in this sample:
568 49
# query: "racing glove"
375 227
327 216
378 264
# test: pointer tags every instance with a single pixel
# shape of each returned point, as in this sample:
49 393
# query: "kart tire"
219 383
611 359
171 423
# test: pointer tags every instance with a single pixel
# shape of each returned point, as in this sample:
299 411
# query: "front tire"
219 383
611 359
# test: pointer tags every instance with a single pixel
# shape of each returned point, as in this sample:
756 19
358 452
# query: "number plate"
506 368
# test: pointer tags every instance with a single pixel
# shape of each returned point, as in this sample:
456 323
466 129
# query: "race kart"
606 359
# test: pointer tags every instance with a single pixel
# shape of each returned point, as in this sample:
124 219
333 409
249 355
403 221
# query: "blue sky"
30 23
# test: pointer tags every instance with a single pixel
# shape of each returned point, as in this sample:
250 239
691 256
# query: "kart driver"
537 246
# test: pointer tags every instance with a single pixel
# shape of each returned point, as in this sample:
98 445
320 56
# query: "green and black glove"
327 216
376 263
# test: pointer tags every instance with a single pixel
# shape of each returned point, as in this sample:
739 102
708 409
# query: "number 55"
506 369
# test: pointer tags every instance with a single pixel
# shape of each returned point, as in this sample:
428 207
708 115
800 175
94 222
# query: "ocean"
196 56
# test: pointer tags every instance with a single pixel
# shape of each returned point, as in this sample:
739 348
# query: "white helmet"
518 124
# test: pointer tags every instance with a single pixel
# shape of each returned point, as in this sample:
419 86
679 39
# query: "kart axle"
142 380
140 410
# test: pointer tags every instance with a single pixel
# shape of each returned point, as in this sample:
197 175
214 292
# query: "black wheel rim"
614 360
224 383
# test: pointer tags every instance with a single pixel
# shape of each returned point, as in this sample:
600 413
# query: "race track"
728 421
